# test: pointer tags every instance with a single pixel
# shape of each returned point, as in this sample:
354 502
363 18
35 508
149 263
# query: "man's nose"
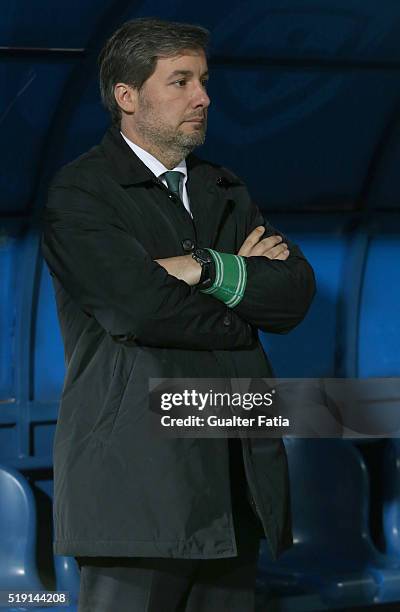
200 97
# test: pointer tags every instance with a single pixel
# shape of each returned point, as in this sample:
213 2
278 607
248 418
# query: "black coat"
119 490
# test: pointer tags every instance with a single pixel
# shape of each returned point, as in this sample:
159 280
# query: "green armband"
230 278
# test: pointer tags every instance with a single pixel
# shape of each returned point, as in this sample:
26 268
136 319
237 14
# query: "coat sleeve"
278 293
109 274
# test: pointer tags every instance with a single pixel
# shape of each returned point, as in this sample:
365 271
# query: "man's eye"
180 83
205 83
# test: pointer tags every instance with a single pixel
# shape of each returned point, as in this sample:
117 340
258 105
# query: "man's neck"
170 159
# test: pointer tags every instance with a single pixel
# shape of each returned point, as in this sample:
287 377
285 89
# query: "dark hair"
130 54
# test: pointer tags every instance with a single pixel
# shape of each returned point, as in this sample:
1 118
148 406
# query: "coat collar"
207 183
126 167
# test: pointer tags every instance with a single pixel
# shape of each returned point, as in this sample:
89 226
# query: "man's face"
171 109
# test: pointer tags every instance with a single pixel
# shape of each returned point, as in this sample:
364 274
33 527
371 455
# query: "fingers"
276 252
271 247
251 240
282 256
265 245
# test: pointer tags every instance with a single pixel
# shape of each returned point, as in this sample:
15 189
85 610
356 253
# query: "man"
162 268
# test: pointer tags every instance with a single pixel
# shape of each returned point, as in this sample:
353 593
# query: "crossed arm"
187 269
109 275
280 282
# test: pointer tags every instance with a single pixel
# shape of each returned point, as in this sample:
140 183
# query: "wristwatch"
204 258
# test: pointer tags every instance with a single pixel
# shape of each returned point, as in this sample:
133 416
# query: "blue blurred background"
305 108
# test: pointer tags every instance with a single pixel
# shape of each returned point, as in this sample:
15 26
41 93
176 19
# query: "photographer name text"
233 421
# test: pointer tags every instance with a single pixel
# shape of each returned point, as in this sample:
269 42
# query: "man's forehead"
184 61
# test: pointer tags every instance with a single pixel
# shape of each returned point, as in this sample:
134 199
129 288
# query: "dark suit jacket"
119 488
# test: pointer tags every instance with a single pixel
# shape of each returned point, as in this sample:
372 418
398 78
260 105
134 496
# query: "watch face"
202 256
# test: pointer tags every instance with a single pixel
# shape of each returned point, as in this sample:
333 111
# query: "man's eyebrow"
176 73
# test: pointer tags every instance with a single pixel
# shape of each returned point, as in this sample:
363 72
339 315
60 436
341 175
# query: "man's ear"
126 97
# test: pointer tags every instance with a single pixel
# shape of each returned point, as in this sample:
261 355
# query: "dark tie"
173 179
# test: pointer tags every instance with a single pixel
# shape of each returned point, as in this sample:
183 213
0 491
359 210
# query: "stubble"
169 142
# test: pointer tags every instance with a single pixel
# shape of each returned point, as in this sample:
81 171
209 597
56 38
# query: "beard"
163 136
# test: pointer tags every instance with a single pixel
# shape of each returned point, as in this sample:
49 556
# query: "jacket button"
188 245
222 181
227 319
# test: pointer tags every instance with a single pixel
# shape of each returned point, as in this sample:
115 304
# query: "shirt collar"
152 162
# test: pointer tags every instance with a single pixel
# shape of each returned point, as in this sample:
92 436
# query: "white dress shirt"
157 168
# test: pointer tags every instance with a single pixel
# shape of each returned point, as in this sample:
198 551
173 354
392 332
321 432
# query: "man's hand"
271 247
183 267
